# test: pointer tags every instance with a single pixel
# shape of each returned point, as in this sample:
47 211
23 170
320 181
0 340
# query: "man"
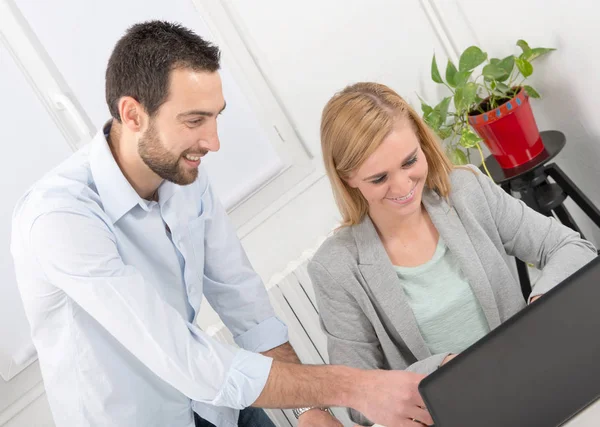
114 249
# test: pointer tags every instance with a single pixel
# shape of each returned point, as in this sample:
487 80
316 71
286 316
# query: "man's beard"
161 161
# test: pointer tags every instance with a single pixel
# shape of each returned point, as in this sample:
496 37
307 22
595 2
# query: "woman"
418 270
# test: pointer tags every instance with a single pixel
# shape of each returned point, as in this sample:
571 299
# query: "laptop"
537 369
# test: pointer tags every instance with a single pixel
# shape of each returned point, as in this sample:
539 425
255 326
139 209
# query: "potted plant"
495 104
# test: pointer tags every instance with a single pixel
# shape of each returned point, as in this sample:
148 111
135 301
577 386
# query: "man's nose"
210 139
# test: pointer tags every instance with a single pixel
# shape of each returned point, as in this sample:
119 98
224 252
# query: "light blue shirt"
447 312
111 294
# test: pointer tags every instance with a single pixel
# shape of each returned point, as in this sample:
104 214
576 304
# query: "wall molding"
223 19
432 11
22 403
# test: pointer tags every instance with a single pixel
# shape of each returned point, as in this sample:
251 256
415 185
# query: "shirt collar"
117 195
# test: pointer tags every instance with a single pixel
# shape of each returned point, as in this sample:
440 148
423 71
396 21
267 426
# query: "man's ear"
132 113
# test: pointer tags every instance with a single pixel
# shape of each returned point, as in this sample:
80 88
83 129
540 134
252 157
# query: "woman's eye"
379 180
410 162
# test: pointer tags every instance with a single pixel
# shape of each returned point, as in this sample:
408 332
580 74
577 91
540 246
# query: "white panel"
12 392
32 145
37 414
301 274
298 338
246 161
305 313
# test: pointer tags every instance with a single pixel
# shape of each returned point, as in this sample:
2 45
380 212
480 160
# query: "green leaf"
523 45
442 109
471 58
424 107
494 61
469 94
462 77
435 72
469 139
434 120
464 97
507 64
524 67
450 74
458 157
502 87
458 100
444 133
532 92
494 72
536 53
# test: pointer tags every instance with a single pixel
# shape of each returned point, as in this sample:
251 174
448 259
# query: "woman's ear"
352 180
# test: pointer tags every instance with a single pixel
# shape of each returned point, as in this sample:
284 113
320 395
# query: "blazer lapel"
459 241
386 289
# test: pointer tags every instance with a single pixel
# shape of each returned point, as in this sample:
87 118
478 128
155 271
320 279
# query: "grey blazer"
362 305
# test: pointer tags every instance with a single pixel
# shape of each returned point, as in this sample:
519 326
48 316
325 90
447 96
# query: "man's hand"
392 398
317 418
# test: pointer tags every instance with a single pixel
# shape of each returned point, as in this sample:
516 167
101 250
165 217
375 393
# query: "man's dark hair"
143 58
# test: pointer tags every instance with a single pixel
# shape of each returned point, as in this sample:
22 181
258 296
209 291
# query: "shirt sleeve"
231 285
77 252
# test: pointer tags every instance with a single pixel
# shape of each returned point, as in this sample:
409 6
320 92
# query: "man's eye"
195 122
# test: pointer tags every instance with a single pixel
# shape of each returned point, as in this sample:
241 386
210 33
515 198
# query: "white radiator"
293 299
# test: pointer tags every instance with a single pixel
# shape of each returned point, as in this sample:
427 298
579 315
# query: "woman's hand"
535 298
448 358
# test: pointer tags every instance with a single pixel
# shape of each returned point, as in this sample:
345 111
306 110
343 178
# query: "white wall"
568 78
308 50
313 48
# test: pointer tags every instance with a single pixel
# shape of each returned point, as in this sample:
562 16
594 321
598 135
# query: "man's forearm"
283 353
384 397
292 385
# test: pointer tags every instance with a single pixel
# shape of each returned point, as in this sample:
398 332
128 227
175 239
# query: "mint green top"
449 316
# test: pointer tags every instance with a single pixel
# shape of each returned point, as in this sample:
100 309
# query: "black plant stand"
530 182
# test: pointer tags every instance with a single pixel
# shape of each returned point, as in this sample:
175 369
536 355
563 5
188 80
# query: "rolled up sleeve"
265 336
245 380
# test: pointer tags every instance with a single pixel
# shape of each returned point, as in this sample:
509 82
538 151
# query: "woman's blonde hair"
354 123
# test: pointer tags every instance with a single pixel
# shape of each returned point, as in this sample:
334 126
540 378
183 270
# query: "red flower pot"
510 131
